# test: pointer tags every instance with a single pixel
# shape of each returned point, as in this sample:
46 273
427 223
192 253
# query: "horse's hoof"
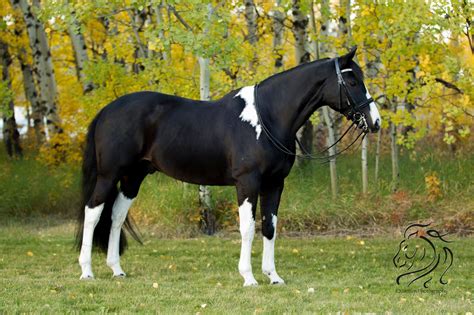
120 275
253 283
86 277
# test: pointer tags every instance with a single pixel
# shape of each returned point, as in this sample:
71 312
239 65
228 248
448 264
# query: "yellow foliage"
433 186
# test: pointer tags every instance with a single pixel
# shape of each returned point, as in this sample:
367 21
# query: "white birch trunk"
161 33
252 37
43 64
330 140
31 95
80 52
204 89
365 177
324 51
11 136
278 18
300 23
137 21
377 156
394 152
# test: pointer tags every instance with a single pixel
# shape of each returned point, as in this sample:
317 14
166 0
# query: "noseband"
354 112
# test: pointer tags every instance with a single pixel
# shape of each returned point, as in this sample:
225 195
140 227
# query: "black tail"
89 179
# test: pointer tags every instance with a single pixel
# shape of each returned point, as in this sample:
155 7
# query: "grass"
30 188
39 274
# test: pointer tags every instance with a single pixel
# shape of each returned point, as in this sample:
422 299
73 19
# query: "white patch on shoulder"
249 114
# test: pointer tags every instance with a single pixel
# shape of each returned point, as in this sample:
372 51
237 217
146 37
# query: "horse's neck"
289 99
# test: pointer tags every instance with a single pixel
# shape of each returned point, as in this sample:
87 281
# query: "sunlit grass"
39 273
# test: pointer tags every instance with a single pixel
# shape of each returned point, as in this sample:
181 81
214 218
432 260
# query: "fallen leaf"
311 290
203 305
295 251
346 290
29 253
155 285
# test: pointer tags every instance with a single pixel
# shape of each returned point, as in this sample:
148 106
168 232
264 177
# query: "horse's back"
171 132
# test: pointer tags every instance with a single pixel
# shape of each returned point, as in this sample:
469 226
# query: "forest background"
62 61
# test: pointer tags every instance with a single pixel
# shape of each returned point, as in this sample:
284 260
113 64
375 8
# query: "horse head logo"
422 253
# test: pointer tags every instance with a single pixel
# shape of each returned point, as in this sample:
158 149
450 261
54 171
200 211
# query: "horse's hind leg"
93 211
129 186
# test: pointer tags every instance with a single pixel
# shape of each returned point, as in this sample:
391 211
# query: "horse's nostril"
377 124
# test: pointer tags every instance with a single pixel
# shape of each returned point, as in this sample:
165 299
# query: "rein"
353 114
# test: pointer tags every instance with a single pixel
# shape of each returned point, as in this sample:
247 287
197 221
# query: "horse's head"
419 254
346 93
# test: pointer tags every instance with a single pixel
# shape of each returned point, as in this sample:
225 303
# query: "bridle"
353 113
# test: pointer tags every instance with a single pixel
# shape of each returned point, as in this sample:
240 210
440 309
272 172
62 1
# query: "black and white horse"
245 139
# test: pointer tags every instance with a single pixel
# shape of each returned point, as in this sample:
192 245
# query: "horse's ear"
345 60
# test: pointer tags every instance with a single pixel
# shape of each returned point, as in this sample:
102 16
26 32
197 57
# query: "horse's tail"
89 179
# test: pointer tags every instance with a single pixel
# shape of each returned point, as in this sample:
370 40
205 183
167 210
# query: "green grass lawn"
39 273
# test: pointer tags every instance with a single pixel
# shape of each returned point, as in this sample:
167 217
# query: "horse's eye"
352 83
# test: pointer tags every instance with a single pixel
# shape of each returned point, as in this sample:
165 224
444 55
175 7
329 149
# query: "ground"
348 273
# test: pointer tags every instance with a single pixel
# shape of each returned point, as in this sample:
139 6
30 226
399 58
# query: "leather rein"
353 113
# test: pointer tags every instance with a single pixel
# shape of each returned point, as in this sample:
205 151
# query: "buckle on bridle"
361 121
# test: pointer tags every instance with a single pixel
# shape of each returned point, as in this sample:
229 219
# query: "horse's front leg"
269 202
247 196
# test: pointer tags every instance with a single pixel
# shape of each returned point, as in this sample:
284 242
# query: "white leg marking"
374 112
268 259
247 231
249 114
91 219
119 214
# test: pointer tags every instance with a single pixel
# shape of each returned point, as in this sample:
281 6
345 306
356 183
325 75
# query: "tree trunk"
394 152
377 157
323 51
31 94
137 20
365 177
80 52
345 31
300 22
11 136
330 140
42 63
278 17
208 218
161 34
252 37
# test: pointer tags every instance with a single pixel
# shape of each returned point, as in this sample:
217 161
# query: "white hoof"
274 278
251 283
87 277
117 270
249 280
120 275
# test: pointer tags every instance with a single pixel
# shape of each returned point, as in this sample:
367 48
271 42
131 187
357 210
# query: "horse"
245 139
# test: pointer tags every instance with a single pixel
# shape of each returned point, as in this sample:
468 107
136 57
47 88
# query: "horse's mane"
294 69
